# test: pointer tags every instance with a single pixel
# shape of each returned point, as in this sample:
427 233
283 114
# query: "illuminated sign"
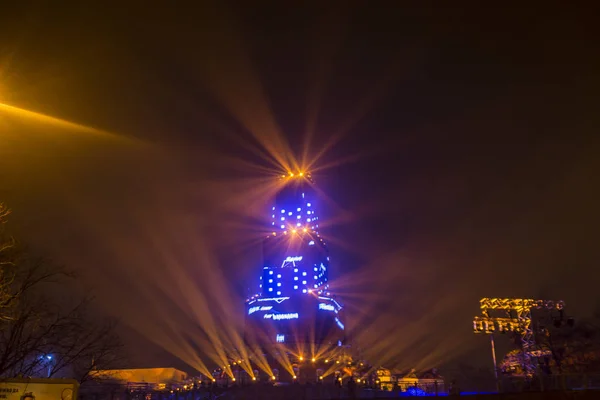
280 338
330 299
278 317
254 309
326 307
275 299
293 259
337 321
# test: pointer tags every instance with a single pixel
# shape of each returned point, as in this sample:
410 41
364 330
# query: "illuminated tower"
293 304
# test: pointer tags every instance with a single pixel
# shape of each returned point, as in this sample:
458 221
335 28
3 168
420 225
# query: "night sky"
457 148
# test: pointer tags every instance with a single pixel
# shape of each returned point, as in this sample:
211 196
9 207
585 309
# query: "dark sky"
461 157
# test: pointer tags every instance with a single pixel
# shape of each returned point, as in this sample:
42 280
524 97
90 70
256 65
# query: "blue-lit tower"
293 305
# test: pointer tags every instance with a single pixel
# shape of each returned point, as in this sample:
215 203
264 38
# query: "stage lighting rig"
517 319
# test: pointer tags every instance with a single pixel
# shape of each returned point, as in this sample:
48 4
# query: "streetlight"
48 360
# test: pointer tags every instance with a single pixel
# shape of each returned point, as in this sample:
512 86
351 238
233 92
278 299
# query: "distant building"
156 377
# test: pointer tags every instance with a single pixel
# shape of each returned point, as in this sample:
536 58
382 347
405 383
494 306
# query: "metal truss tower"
516 318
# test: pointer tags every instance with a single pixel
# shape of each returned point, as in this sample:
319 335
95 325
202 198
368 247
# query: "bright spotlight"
304 230
301 358
233 379
320 377
214 380
293 230
253 378
273 377
294 376
301 174
314 359
326 361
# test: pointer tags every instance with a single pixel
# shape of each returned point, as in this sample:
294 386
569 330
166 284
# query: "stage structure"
515 316
293 314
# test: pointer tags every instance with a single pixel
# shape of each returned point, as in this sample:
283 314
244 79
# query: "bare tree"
42 332
7 267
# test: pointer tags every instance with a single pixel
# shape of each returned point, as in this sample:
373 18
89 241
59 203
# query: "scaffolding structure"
516 318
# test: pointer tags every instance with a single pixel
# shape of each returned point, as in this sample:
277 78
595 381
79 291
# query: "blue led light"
295 278
299 224
290 213
315 268
278 293
298 217
316 286
282 211
304 282
295 287
279 275
282 226
270 280
298 209
307 219
303 273
270 272
295 269
303 290
278 284
273 208
308 204
315 277
283 218
270 289
311 243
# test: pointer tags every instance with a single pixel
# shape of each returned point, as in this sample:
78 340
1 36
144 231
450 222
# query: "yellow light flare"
58 122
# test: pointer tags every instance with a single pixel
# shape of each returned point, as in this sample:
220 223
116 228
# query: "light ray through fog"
64 125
